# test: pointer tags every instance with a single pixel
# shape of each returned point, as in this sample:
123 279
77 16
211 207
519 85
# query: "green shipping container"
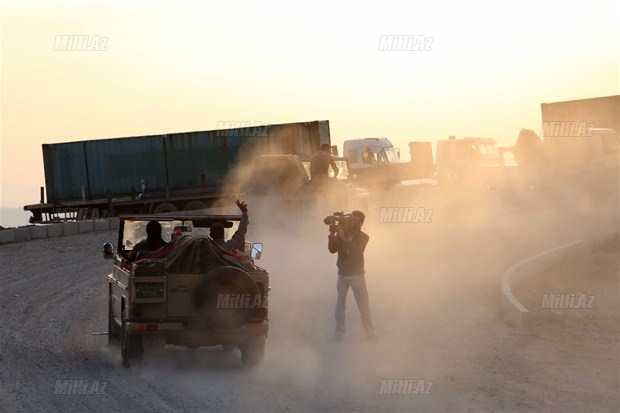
93 169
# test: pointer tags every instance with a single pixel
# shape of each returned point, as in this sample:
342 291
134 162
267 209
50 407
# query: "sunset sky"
185 66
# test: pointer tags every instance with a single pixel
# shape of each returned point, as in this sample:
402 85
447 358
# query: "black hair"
360 215
153 235
153 229
217 231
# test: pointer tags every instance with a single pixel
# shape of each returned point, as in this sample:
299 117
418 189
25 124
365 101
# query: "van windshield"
391 155
488 151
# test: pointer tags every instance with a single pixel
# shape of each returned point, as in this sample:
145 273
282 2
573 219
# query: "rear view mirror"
207 222
108 251
257 250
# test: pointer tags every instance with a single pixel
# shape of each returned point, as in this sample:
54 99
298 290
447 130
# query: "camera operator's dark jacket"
350 253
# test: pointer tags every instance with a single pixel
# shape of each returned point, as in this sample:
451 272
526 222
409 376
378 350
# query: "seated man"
152 242
238 239
368 157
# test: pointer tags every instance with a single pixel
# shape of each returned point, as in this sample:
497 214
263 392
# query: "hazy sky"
185 66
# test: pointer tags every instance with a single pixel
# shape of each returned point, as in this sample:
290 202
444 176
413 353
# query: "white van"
369 152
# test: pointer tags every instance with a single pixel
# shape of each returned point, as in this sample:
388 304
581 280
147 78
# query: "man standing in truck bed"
319 165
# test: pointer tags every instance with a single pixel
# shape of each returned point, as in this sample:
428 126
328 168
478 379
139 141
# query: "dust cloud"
434 295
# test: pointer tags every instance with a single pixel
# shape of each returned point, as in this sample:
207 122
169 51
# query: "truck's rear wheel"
226 297
114 331
165 207
253 350
194 205
131 346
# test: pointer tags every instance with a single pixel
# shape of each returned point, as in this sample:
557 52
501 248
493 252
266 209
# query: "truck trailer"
159 173
574 118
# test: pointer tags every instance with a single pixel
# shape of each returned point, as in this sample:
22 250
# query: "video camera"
338 218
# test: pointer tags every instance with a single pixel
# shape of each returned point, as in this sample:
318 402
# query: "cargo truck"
582 132
159 173
575 160
466 159
576 117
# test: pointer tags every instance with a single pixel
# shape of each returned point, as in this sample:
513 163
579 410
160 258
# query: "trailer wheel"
193 205
165 207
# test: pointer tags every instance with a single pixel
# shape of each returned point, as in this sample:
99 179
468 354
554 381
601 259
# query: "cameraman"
348 240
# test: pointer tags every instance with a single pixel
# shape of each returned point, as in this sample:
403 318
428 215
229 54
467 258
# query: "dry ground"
434 291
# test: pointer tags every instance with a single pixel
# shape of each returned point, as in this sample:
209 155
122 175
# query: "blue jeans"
360 292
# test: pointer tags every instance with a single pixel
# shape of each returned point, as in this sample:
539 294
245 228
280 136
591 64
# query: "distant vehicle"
564 169
576 117
159 173
580 139
375 162
370 152
190 292
601 147
464 159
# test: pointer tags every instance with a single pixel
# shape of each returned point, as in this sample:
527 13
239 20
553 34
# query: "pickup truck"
190 292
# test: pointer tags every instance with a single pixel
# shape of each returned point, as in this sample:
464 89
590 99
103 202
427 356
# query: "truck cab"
375 162
458 159
370 152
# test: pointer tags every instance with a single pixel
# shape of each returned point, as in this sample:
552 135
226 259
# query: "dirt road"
434 291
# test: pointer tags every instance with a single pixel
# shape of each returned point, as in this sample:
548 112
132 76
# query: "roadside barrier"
56 230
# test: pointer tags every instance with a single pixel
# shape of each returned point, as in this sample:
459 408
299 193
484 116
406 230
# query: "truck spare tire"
226 297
